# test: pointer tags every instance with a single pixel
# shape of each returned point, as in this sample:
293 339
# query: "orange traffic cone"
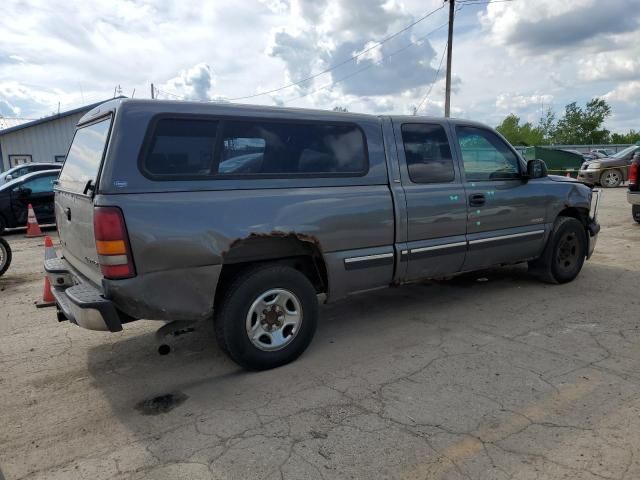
48 300
33 229
49 249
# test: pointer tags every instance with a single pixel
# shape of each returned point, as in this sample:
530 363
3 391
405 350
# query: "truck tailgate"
74 197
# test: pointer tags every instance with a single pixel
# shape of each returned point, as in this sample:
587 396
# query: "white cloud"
8 110
625 92
513 102
507 56
611 65
194 83
549 26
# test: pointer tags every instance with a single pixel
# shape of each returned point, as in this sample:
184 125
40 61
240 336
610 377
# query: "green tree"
547 126
583 126
517 134
632 136
338 108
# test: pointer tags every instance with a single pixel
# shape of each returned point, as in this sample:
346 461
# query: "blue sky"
515 56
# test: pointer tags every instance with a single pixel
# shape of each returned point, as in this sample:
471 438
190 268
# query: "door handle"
477 199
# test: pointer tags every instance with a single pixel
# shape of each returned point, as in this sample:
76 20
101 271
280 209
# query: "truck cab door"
435 201
506 213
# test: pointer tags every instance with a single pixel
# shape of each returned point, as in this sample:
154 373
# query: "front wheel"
5 256
635 212
266 317
611 178
564 254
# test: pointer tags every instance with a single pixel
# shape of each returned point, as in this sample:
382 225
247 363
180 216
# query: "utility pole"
447 99
152 92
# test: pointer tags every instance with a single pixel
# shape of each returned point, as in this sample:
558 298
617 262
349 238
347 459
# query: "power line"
179 97
435 78
481 2
342 79
333 67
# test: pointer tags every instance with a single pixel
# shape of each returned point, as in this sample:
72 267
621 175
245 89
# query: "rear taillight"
112 243
633 174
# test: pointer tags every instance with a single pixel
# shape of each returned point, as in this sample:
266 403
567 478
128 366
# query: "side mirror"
536 168
8 178
24 192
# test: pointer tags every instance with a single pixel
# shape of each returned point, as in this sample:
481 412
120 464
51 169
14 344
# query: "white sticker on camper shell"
120 183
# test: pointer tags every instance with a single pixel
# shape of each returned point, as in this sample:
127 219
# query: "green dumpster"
559 162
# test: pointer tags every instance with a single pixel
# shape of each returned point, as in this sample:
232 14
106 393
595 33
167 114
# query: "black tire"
5 256
231 320
611 178
564 254
635 212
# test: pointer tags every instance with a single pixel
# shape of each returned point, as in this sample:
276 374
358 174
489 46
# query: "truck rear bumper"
80 301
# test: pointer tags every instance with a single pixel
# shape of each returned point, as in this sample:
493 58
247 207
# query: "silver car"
21 170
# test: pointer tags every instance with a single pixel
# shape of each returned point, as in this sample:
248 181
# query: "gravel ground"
506 378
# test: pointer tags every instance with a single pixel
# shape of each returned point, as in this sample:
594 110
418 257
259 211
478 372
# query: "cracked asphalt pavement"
506 378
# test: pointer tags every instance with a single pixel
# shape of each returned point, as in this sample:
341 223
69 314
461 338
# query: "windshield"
85 155
623 153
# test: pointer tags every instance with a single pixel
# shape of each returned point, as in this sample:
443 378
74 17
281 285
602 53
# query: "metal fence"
584 148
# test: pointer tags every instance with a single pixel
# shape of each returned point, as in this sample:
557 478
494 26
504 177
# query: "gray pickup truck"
247 215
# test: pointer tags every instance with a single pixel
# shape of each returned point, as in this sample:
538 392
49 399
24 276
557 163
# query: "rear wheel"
5 256
611 178
635 212
266 317
564 254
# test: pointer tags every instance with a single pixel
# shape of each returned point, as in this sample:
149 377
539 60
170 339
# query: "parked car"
633 195
585 155
319 203
5 256
22 170
33 188
608 172
603 152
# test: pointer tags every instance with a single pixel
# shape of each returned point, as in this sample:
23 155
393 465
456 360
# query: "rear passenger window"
281 149
428 154
193 148
181 147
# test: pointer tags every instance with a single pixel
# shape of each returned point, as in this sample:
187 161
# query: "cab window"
486 156
427 152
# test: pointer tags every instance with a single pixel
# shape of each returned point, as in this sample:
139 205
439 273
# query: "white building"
43 140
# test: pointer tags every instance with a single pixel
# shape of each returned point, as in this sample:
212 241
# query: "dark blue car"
35 189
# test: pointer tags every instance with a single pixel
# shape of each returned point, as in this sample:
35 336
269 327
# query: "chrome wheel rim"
274 319
611 178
